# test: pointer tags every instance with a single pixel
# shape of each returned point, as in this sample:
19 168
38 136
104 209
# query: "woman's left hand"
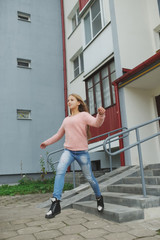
101 110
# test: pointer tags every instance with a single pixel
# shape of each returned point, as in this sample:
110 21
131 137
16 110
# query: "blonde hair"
82 108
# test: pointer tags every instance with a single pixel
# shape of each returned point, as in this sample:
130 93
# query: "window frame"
100 83
21 63
21 113
22 16
80 65
77 20
92 36
158 2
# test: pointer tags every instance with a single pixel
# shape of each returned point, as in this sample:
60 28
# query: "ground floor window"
99 88
23 114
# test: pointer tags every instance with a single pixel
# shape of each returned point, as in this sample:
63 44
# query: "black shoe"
54 209
100 204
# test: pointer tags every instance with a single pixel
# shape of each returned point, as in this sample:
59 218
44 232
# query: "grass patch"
158 232
27 186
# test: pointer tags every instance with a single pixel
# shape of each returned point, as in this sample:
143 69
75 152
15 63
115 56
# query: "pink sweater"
74 128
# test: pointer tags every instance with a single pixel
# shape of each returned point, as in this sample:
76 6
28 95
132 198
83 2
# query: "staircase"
123 199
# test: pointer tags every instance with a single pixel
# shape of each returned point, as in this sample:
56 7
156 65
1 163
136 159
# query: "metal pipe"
140 162
74 178
137 143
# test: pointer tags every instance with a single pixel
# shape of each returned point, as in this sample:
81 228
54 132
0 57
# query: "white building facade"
105 40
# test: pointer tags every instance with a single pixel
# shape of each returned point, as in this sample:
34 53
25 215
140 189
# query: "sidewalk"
21 219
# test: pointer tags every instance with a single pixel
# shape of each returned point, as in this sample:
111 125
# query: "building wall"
136 21
82 3
39 89
141 103
135 27
95 55
74 43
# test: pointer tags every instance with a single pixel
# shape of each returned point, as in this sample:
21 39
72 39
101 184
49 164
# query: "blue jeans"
67 157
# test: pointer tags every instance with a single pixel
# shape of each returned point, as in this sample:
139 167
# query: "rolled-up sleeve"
95 121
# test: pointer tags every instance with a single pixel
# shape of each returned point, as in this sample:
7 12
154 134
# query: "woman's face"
73 103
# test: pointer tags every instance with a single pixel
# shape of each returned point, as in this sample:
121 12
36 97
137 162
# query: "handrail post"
110 157
140 162
74 180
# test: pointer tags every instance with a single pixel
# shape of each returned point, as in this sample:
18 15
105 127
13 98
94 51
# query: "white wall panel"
100 48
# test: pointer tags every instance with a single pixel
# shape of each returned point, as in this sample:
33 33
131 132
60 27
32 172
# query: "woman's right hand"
43 145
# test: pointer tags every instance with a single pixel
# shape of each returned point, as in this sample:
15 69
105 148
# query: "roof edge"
138 68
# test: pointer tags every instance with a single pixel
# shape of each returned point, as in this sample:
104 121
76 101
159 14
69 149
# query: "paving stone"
73 222
148 225
18 226
59 218
148 238
115 236
90 217
36 223
142 232
70 237
69 211
94 233
47 235
5 226
96 224
20 221
79 214
23 237
117 228
29 224
6 235
98 238
73 229
53 225
154 224
29 230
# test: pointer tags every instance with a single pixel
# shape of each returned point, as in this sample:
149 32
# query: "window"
23 114
96 165
23 63
75 20
96 17
99 88
78 65
159 5
93 21
24 16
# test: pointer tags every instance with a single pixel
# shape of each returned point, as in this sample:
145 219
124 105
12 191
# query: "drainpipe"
122 158
64 58
64 64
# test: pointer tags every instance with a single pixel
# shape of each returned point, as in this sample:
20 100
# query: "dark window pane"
87 28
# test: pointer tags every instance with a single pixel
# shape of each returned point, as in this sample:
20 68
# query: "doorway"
158 105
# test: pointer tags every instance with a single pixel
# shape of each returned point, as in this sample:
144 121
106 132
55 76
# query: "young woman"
76 130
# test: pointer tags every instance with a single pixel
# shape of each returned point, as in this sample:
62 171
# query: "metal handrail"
104 134
110 139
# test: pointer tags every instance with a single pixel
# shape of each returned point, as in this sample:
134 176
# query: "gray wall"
39 89
119 73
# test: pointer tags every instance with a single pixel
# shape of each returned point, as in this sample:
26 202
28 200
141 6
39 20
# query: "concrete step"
147 172
130 200
153 166
156 172
113 212
153 190
152 180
